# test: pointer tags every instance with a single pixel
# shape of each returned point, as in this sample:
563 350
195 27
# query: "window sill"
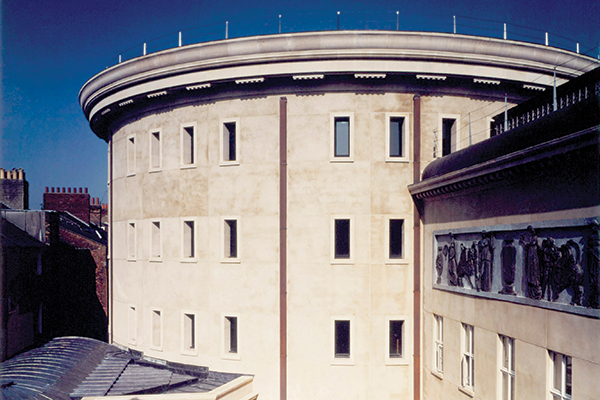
187 166
188 260
397 261
155 259
397 160
468 391
228 163
342 361
439 375
231 261
130 174
131 259
154 170
342 261
396 361
341 160
192 352
231 356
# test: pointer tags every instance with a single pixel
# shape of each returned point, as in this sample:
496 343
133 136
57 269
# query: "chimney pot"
68 190
80 190
21 174
64 190
52 189
46 189
2 173
85 190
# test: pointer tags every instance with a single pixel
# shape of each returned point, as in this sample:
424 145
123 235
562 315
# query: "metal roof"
75 367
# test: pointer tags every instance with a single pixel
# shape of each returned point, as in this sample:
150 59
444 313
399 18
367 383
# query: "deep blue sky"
50 48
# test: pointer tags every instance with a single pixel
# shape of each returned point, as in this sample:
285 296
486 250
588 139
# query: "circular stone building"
260 221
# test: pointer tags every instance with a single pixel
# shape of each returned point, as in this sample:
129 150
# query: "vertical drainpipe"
417 249
110 243
283 248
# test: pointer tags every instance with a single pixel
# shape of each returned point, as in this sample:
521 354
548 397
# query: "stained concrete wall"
368 290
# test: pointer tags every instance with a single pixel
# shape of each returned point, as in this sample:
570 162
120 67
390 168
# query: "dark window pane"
342 238
232 334
396 338
396 238
342 338
342 137
396 124
229 151
232 225
448 135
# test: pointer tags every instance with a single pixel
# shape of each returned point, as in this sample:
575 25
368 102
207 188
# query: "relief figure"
531 247
568 273
464 267
453 278
509 258
474 262
549 256
439 265
593 266
486 256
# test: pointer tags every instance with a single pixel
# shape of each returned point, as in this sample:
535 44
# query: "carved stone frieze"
544 264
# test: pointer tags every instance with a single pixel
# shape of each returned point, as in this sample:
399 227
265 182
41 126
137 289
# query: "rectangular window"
230 239
231 334
187 145
342 339
468 357
507 367
189 239
395 345
396 229
342 137
132 318
229 141
189 331
155 150
396 132
131 155
156 245
439 343
448 136
342 238
561 369
156 329
131 241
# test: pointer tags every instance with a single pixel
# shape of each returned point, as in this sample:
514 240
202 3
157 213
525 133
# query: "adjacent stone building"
260 217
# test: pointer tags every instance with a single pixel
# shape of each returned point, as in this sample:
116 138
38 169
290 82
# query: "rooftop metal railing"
353 20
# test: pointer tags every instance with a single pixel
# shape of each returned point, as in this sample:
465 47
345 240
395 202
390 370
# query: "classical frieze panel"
553 264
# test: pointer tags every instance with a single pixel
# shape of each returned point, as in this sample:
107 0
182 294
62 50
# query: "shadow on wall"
75 308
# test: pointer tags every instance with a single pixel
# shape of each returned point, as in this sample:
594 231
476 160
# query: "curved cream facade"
146 109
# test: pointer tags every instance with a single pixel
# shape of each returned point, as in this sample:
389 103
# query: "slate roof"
74 367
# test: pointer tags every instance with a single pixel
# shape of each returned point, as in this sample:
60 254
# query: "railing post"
338 20
454 18
179 38
555 105
119 59
505 30
546 38
226 29
397 20
577 48
279 23
144 48
505 113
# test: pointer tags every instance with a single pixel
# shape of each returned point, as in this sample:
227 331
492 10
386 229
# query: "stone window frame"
238 258
132 324
132 234
351 258
406 135
351 133
438 343
399 260
131 149
190 351
406 349
151 142
182 144
238 154
153 312
151 256
194 239
343 360
440 132
225 354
